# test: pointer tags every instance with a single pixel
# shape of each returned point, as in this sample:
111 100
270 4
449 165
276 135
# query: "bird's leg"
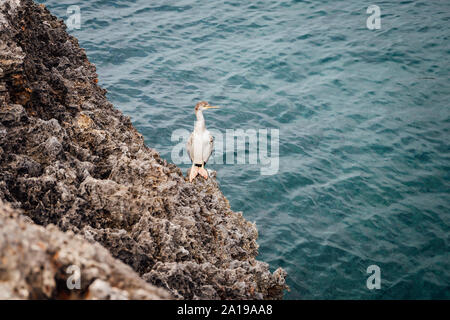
203 171
193 173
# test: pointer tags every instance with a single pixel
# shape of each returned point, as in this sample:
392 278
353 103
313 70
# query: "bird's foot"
202 171
193 173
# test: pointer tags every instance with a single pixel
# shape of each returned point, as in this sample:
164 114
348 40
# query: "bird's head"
203 105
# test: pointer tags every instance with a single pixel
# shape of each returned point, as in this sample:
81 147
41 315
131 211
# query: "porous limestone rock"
69 158
44 263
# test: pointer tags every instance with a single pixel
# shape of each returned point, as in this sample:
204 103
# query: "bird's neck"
200 123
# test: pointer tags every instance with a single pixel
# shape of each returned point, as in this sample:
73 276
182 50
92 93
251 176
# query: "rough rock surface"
69 158
36 263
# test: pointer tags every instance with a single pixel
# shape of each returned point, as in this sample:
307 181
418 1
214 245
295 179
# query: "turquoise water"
364 119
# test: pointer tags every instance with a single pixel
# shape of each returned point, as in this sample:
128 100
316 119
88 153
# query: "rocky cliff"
68 158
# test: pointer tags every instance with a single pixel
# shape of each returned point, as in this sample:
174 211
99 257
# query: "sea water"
361 102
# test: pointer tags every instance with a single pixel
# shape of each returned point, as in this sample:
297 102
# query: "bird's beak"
212 107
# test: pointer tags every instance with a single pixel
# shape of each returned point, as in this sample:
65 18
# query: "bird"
200 143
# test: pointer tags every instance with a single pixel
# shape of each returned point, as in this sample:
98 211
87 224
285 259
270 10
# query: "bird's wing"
189 146
208 147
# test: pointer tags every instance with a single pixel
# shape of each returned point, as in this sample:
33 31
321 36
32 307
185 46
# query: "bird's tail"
193 173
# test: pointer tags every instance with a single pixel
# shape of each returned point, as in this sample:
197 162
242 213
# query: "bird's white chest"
201 146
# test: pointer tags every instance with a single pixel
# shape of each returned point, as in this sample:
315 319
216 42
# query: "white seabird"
201 143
